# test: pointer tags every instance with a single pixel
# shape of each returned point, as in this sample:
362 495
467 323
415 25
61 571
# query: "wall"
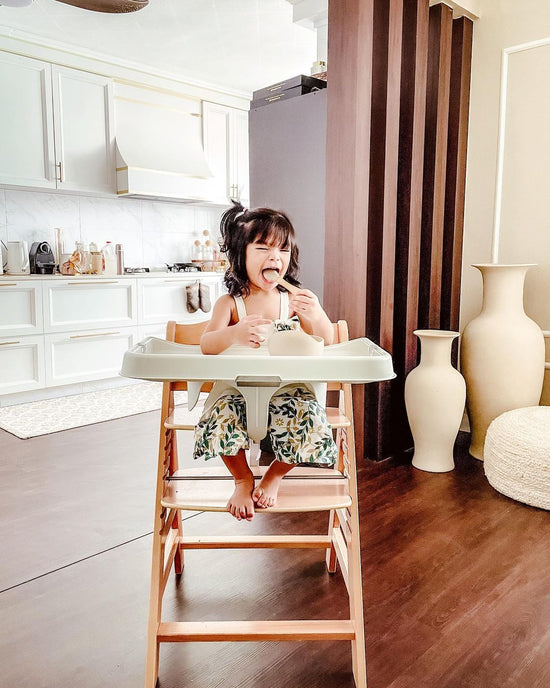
525 225
152 232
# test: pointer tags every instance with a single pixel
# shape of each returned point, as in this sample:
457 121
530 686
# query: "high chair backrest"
186 334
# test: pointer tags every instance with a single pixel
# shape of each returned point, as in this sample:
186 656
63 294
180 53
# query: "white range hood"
159 146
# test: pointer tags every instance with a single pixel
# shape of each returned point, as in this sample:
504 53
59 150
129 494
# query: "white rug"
53 415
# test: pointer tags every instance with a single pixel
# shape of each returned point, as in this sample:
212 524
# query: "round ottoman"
517 455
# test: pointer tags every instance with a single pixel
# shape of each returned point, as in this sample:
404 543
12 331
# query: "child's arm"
220 334
313 318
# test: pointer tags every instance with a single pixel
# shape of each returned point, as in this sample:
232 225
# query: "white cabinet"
56 127
21 364
20 307
86 304
80 356
84 132
26 122
225 138
164 299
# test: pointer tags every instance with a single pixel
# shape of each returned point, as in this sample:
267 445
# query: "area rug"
63 413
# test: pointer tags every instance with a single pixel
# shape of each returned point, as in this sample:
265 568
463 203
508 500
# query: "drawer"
77 304
20 307
21 364
164 299
82 356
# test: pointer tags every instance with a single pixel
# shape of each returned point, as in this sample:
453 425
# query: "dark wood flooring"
456 577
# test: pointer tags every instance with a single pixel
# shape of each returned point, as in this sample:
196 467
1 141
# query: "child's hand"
249 330
306 305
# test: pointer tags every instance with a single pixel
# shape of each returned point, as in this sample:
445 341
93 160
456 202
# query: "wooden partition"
396 158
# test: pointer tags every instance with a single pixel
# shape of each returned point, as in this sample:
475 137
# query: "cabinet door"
86 304
84 135
82 356
20 308
26 122
21 364
238 154
216 147
164 299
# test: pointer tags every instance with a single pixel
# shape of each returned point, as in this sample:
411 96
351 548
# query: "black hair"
240 227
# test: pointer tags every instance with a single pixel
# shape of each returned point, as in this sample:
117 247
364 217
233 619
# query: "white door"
26 122
84 134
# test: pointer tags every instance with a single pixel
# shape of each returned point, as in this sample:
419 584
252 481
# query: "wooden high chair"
310 489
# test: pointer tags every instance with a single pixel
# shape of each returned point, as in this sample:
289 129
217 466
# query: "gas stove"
183 267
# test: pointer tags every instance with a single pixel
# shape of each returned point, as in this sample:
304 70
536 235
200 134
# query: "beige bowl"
295 343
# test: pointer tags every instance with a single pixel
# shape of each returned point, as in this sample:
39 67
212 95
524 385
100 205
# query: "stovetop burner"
131 271
183 267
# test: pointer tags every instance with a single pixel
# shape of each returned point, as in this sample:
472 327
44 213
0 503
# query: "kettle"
18 258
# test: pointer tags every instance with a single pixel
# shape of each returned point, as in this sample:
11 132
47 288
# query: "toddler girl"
255 241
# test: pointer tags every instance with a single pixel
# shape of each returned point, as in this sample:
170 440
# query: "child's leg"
265 494
240 504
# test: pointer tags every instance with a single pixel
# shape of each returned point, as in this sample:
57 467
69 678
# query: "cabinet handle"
59 165
8 343
97 334
87 284
183 279
8 284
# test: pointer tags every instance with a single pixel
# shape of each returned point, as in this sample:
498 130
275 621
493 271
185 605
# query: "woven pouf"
517 455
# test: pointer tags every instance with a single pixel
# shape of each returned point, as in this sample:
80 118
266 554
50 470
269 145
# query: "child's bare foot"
240 504
265 495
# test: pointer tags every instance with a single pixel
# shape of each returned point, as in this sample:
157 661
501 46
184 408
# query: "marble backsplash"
152 232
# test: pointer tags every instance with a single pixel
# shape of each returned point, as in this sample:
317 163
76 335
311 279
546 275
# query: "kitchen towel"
63 413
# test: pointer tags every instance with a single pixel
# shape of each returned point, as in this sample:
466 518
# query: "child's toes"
257 495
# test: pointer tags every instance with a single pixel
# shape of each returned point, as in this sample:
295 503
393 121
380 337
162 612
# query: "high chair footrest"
214 631
255 541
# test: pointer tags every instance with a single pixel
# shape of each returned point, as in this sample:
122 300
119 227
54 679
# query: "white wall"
524 230
152 232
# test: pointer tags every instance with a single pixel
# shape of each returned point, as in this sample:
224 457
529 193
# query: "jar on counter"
97 260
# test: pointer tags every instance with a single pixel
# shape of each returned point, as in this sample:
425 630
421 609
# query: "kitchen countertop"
139 275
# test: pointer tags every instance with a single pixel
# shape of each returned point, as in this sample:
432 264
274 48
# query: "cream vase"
502 352
435 393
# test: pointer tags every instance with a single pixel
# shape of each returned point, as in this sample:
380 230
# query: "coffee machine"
42 261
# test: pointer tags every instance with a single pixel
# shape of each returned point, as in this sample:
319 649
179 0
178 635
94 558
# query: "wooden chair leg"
331 556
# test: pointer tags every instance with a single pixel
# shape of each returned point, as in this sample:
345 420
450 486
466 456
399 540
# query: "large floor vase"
435 393
502 352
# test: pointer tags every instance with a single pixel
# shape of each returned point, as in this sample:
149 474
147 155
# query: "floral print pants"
297 427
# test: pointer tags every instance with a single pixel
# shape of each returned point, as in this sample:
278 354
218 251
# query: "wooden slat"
348 142
257 542
337 419
300 494
435 152
459 103
214 631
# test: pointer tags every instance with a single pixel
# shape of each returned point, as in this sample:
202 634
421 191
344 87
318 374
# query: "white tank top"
283 309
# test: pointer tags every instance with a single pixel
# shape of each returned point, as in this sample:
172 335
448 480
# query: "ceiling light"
115 6
16 3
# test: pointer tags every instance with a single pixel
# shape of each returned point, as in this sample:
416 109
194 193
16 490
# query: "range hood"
159 153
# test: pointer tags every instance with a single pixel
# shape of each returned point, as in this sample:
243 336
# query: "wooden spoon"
273 276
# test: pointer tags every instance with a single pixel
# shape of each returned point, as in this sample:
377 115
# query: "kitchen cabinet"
86 304
21 364
165 298
81 356
66 330
56 127
225 139
20 307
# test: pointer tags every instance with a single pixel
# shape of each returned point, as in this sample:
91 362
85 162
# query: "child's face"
268 256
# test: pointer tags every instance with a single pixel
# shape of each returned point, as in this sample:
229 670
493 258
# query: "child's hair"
240 227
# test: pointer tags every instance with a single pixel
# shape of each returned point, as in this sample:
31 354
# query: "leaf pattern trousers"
297 427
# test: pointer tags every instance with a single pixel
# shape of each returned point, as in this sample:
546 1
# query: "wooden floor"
456 577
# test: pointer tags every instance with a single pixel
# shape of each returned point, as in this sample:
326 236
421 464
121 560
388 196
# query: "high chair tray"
356 361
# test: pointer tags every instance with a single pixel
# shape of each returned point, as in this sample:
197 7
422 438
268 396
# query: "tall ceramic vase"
502 352
435 393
